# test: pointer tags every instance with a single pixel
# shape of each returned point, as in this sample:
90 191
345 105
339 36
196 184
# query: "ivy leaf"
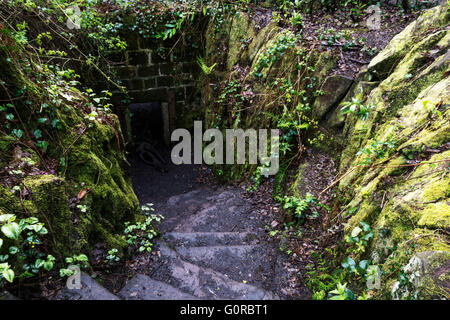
37 133
348 263
13 250
368 236
356 231
69 260
1 243
56 124
39 263
11 230
8 274
18 133
42 144
5 218
35 227
366 227
48 265
82 258
363 264
43 231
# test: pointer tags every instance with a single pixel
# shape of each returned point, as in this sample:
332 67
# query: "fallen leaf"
81 194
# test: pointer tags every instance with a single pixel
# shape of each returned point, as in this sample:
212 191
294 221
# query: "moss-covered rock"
242 29
396 161
397 48
427 275
49 196
334 88
90 154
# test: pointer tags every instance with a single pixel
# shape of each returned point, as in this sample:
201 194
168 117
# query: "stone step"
90 290
203 282
142 287
181 199
180 207
198 239
5 296
232 216
250 263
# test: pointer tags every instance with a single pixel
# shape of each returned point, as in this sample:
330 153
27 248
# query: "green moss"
398 47
48 194
242 28
436 190
407 207
6 142
435 215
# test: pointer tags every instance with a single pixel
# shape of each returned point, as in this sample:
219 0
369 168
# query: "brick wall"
151 69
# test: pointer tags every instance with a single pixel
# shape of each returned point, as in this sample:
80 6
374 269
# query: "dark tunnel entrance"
150 134
147 122
154 175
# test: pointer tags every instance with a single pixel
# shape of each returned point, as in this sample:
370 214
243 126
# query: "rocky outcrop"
395 165
395 157
334 88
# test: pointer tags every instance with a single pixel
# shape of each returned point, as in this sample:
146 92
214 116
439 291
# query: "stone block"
164 81
138 58
149 83
159 58
190 67
157 94
179 94
148 71
167 68
126 72
137 84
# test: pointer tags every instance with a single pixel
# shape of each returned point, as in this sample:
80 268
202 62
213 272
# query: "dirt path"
213 243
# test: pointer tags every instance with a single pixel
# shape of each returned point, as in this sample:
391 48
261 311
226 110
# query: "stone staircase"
212 247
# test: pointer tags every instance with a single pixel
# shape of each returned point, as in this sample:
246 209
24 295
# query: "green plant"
231 96
21 242
350 265
360 236
342 293
6 272
377 149
273 53
323 276
141 234
80 260
357 107
83 208
258 177
302 207
112 258
206 70
297 19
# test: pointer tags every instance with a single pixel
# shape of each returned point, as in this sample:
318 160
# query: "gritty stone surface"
142 287
90 290
213 243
